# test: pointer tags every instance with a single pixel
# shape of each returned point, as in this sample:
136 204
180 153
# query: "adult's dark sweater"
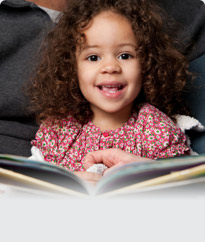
190 14
22 27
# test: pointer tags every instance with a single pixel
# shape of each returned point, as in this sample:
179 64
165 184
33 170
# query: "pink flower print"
96 147
40 134
132 120
51 133
44 144
152 146
144 134
135 130
64 130
161 125
47 136
151 138
165 144
121 132
52 143
157 132
61 148
139 136
127 149
65 123
147 132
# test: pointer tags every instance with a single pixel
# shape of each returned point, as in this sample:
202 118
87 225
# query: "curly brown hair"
55 91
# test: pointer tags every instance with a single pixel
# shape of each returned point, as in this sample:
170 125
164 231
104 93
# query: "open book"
34 177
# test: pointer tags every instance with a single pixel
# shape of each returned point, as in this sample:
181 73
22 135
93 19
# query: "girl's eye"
125 56
93 58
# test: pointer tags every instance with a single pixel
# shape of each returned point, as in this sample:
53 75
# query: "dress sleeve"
161 137
55 139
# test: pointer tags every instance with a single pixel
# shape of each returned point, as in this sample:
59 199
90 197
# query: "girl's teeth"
110 89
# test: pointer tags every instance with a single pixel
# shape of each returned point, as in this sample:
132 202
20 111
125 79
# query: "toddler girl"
108 70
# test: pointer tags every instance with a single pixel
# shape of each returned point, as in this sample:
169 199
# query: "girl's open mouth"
111 90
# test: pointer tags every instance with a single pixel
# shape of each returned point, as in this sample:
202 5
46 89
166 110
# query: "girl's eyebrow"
127 44
90 47
87 47
119 45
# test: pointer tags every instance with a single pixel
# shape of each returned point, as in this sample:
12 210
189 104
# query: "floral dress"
148 133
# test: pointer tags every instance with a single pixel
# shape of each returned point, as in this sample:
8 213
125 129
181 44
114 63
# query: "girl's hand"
111 158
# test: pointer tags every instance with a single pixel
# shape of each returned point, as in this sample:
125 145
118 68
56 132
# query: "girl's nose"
111 66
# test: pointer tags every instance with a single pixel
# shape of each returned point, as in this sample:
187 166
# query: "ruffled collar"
90 126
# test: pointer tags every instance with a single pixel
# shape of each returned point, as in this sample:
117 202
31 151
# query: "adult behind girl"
23 26
108 70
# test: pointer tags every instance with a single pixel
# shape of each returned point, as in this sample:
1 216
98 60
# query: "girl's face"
109 71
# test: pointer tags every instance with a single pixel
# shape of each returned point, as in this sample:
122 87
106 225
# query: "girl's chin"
111 109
